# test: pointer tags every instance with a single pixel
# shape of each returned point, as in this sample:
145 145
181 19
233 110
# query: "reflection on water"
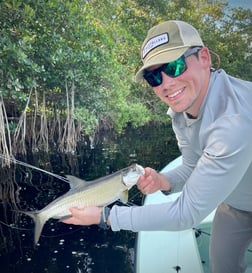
74 249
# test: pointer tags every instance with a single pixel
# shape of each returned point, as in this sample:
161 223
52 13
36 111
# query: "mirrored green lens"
172 69
176 68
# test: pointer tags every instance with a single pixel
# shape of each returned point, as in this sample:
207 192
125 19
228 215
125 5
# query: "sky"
242 3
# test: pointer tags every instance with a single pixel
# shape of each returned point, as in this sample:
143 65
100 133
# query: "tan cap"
166 42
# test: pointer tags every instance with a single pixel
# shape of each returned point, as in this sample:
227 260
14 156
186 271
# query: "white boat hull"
171 251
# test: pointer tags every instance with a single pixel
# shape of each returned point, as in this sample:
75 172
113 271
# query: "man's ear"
205 57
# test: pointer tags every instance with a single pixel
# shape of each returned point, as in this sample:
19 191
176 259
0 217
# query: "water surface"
70 249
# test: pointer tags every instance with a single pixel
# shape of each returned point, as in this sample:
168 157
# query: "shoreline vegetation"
67 67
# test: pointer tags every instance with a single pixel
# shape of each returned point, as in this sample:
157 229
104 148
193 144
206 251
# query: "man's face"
186 92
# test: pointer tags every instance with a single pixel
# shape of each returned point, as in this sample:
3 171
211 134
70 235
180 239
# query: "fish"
99 192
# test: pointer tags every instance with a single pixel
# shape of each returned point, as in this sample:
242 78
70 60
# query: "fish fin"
124 196
39 224
76 182
65 217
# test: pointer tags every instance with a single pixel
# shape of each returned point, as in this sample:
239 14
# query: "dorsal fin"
76 182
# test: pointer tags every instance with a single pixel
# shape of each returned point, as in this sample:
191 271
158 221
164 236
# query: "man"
212 118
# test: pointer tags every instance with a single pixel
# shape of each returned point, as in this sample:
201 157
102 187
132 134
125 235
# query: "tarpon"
99 192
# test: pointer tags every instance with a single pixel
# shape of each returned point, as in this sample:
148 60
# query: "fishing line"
131 203
42 235
14 227
15 161
142 196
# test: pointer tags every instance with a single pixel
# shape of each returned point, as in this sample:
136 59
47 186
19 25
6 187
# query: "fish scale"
100 192
104 197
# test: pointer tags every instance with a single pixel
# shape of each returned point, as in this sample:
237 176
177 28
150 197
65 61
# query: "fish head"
132 174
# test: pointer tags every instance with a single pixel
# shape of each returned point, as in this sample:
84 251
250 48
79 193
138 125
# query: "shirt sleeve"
221 167
178 176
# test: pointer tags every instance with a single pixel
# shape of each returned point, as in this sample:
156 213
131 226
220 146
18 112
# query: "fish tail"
39 223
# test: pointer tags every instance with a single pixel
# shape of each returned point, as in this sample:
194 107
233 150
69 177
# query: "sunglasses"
172 69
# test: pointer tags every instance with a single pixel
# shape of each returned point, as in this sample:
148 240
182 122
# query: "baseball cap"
166 42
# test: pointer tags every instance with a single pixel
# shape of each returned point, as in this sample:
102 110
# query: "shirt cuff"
121 218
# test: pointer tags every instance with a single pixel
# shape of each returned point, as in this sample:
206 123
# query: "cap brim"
161 58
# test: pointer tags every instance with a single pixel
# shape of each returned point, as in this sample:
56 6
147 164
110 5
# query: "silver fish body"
99 192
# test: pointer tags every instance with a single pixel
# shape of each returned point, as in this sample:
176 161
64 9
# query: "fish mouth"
139 169
131 178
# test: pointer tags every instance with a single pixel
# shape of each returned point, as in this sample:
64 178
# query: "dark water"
70 249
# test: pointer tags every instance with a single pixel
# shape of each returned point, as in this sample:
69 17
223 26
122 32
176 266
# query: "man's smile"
173 95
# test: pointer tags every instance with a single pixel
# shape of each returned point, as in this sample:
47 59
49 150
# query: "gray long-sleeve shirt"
217 161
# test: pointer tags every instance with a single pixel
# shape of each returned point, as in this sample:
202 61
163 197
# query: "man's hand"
152 181
85 216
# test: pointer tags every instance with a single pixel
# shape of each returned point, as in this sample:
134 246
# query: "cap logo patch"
155 42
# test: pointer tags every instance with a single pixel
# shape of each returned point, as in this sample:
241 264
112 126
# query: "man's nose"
167 81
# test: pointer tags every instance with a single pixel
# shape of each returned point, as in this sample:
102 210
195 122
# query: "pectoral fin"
124 196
